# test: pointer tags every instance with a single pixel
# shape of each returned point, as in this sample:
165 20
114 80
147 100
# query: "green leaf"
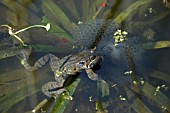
56 15
121 17
55 29
62 102
103 87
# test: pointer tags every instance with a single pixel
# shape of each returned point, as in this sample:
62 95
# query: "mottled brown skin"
64 67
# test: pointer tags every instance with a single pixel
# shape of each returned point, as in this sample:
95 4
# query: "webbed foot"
91 74
50 89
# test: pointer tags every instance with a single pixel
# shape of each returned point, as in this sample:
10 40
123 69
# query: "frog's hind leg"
51 89
54 62
54 88
38 64
52 59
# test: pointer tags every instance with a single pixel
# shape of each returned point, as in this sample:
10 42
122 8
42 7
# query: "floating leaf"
103 87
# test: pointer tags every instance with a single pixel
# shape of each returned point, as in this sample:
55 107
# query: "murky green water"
134 73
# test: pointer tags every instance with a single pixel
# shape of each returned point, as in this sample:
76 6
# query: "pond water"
132 37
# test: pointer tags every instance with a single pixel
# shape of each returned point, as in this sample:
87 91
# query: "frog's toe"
58 92
61 91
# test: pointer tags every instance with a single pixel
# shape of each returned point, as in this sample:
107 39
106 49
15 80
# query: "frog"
64 67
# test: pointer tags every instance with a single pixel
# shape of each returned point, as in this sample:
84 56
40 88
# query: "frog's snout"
95 61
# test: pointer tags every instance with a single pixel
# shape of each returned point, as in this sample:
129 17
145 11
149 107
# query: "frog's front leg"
91 74
54 88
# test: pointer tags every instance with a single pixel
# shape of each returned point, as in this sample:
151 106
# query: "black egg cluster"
92 32
99 33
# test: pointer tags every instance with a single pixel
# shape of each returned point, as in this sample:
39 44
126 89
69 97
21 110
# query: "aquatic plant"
119 36
14 33
127 57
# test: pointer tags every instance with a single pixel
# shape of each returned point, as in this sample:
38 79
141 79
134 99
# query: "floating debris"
160 87
128 72
119 36
80 22
164 108
142 81
121 97
151 10
134 82
114 85
90 98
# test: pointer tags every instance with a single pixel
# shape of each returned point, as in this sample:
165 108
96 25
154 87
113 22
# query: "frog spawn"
127 56
86 33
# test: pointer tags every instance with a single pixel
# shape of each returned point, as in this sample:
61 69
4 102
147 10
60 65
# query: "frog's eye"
93 57
82 62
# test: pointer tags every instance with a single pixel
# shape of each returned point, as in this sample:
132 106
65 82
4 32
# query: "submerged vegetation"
128 38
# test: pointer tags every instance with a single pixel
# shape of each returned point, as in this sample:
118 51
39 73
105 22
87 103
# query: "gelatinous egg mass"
127 54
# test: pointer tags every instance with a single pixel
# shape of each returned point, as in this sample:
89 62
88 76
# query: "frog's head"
88 63
82 61
89 60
